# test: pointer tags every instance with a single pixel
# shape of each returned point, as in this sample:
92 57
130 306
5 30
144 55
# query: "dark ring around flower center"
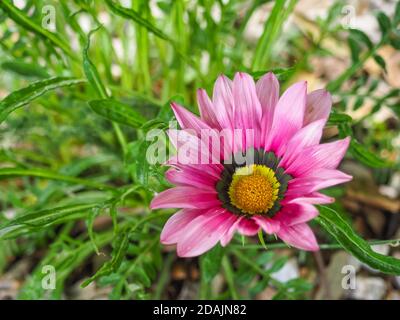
257 157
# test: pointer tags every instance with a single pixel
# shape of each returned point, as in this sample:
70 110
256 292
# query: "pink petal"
223 101
293 214
316 180
269 225
189 178
204 232
267 89
172 230
193 150
227 237
248 111
186 119
248 227
288 116
212 170
308 136
206 109
247 107
185 197
327 155
319 103
300 236
313 198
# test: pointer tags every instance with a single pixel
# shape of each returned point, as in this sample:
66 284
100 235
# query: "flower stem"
324 246
226 265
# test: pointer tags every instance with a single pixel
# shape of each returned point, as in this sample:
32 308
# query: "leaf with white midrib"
19 98
332 222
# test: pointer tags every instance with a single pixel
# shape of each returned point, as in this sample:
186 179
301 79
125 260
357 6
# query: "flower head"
264 172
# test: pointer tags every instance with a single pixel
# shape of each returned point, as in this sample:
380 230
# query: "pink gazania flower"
277 191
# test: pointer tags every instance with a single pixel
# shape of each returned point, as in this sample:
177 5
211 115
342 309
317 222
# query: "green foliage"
117 112
367 157
119 252
25 69
19 98
211 263
353 243
24 21
273 27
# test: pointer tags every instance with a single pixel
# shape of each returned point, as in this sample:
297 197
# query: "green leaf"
23 20
90 226
367 157
338 118
142 277
47 174
379 60
41 219
281 73
18 99
259 286
354 49
94 79
361 37
278 264
335 225
153 124
261 239
384 23
358 103
135 16
91 71
139 167
210 263
120 247
273 26
396 17
395 41
118 112
25 69
264 258
373 86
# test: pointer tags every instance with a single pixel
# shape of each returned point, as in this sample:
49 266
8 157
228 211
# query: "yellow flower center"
254 189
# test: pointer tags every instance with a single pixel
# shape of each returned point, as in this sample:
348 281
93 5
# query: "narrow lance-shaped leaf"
337 118
354 49
273 26
41 219
135 16
91 71
384 23
396 17
90 226
118 112
47 174
25 69
94 79
18 99
367 157
379 60
335 225
361 37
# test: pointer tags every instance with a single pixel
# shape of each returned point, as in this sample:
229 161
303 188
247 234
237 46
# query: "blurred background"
74 183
